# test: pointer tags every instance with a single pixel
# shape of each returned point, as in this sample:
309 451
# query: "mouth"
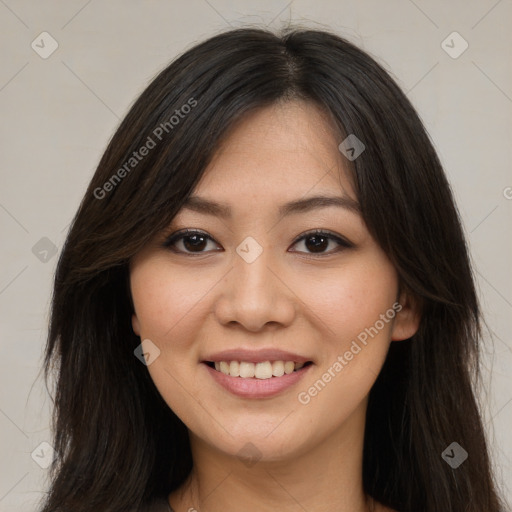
261 370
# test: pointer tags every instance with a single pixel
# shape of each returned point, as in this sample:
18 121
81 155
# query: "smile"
250 380
262 370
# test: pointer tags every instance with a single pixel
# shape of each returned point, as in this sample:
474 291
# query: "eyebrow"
304 205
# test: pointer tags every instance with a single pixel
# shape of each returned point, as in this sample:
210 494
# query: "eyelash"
179 235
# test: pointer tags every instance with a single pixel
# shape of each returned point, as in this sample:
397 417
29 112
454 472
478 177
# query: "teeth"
224 367
246 370
278 368
289 366
234 369
265 370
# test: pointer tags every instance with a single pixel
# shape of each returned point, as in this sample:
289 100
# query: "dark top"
157 505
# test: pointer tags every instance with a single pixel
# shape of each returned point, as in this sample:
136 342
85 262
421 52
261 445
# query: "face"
291 292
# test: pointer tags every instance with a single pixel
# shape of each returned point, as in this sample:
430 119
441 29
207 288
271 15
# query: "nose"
255 296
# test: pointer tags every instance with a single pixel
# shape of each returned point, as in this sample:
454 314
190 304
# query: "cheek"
167 304
165 301
350 298
357 341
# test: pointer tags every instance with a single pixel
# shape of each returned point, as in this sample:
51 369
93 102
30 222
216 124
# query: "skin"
291 298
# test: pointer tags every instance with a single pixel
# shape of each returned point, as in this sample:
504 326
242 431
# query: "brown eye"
190 241
196 242
316 242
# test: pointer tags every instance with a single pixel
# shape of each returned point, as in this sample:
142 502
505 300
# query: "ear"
407 319
135 324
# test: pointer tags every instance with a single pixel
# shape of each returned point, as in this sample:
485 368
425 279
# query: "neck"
322 478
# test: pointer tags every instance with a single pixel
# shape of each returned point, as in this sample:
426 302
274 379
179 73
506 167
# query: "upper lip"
256 356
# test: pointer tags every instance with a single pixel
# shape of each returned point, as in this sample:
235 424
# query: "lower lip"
257 388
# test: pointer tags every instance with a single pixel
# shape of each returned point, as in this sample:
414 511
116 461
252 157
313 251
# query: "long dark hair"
118 444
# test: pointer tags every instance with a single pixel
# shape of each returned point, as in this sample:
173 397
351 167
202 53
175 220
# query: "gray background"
59 112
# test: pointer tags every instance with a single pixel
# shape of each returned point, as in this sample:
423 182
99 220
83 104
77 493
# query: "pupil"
198 242
320 243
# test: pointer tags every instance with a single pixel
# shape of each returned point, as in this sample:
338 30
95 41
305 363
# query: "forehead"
279 152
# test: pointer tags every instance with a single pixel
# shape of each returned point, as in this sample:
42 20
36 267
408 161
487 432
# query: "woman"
265 299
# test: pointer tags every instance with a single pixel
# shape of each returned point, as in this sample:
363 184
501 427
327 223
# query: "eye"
318 240
191 240
196 242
